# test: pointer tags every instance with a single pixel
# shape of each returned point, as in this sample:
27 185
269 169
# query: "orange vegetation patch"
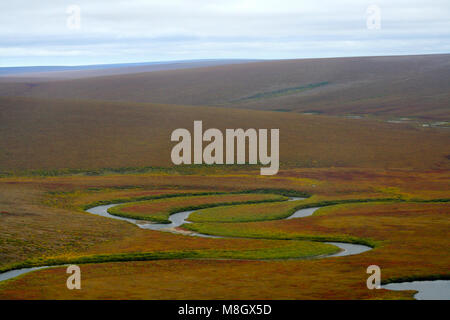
335 278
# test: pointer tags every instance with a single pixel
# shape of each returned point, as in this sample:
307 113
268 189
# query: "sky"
82 32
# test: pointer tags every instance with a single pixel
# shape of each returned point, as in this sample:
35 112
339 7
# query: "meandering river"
437 289
180 218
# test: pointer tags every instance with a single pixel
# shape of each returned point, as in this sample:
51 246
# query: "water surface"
428 290
15 273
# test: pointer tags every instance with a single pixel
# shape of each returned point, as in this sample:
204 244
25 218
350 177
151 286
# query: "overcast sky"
45 32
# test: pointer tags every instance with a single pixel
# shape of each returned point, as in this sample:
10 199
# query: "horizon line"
137 63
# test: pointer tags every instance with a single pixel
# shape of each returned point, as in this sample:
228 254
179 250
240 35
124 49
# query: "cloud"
33 33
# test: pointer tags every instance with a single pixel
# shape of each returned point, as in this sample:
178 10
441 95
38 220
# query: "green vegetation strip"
282 92
276 211
181 170
162 216
223 225
282 192
244 231
288 250
431 277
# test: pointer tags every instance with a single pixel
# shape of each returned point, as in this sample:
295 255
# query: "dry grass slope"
409 86
54 134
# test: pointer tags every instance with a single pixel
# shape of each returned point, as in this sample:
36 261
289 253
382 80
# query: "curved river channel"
436 289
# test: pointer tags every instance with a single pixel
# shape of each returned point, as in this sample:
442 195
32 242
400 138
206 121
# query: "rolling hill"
53 134
386 87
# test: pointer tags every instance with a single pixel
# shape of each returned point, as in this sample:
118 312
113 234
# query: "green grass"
242 230
221 227
282 92
244 213
283 192
163 215
265 212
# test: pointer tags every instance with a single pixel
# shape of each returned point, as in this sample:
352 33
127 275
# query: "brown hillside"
38 133
409 86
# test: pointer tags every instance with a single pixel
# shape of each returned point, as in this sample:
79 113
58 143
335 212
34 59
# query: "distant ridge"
82 71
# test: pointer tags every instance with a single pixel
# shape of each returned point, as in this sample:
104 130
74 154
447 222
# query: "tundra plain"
70 145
